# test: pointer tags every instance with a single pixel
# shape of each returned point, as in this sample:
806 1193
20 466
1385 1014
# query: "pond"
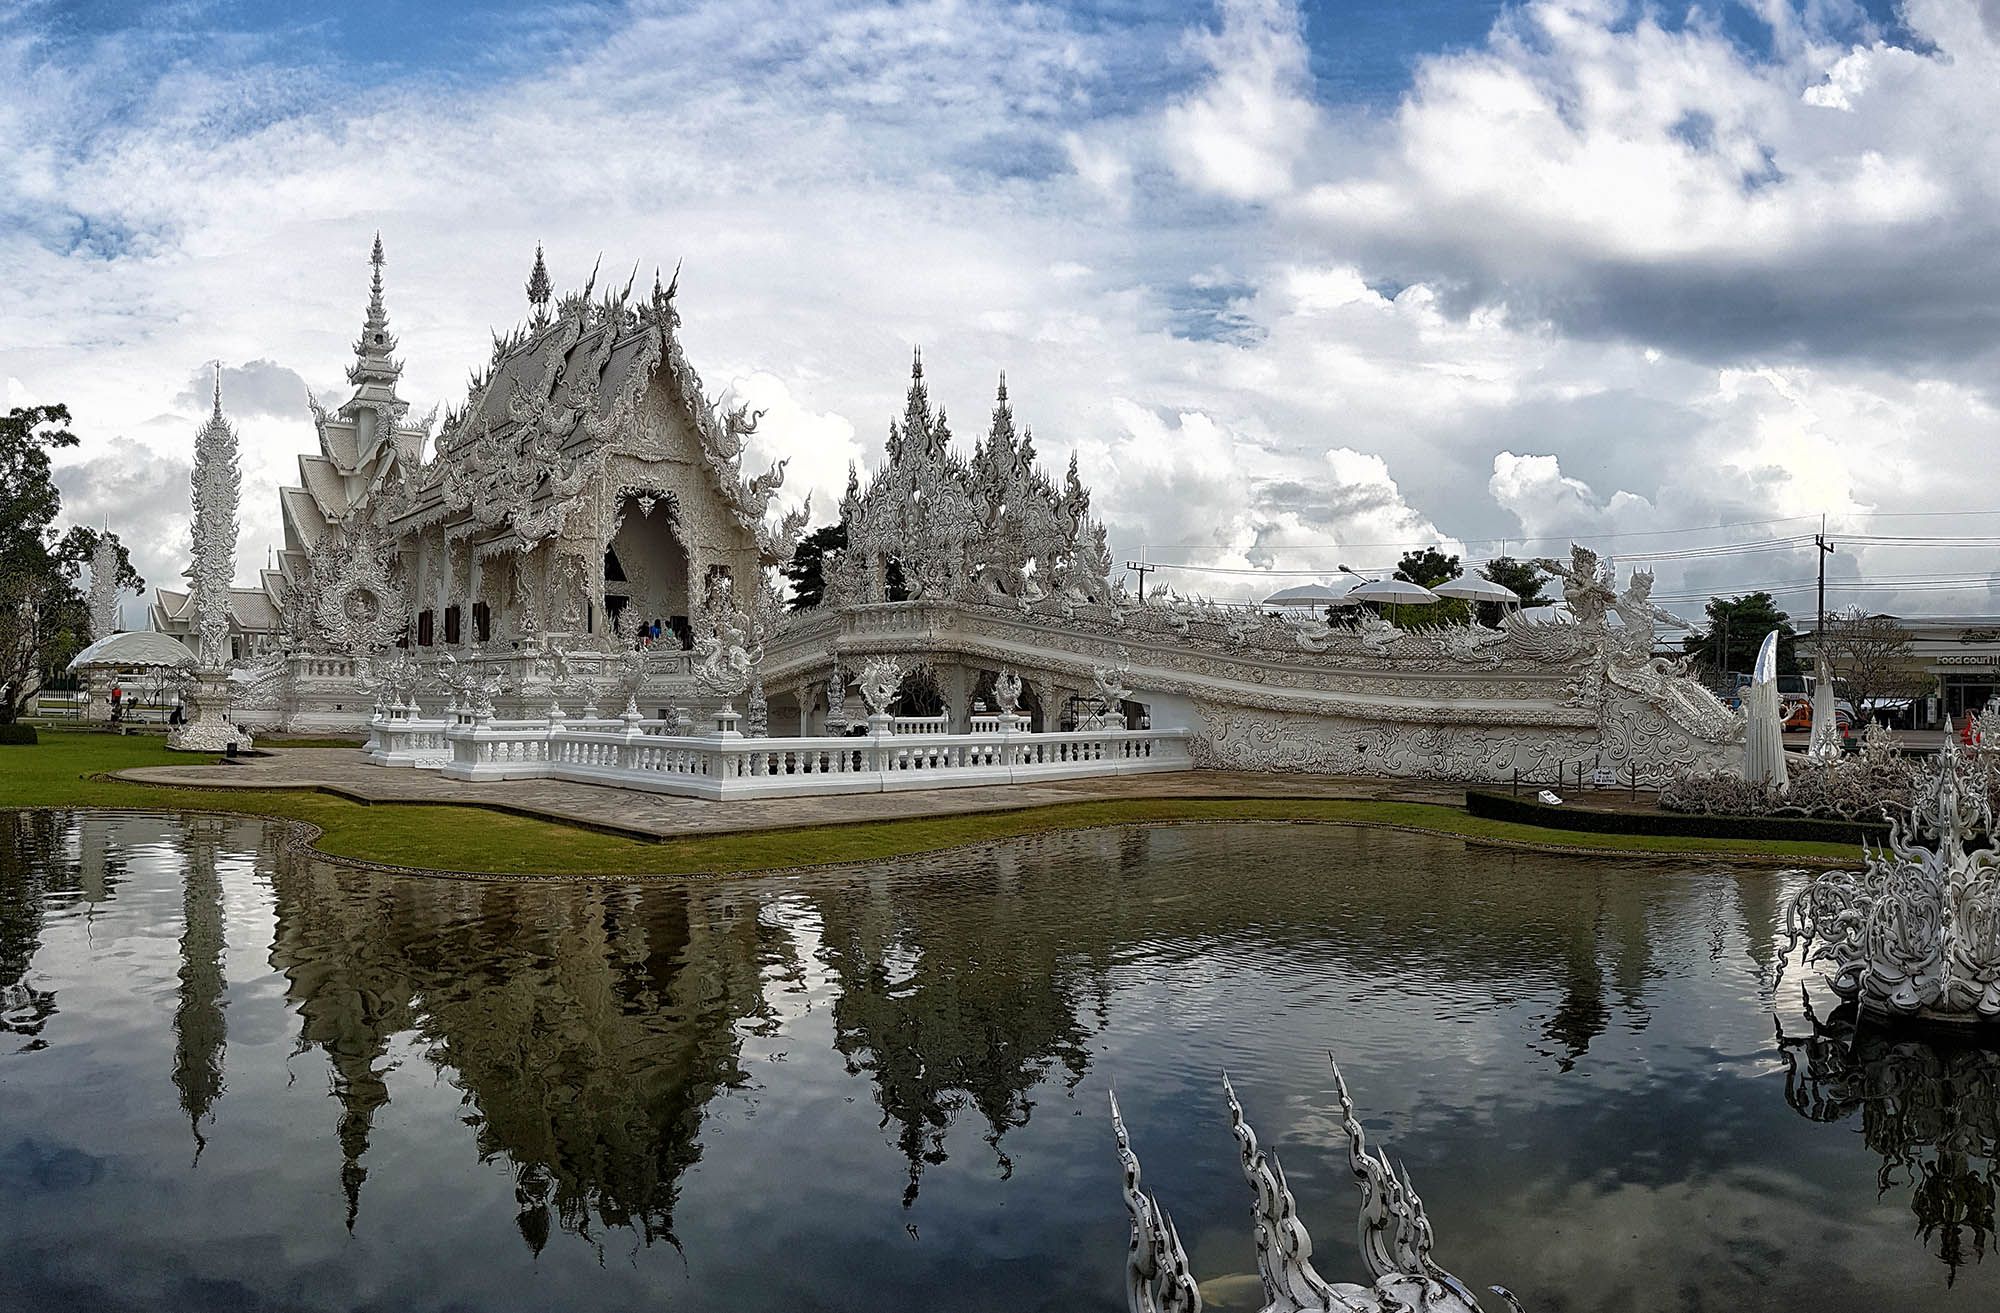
232 1077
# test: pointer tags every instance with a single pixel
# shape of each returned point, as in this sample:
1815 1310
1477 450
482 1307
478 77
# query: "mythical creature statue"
1007 692
1588 586
1377 634
1395 1236
1916 933
881 680
1110 680
728 653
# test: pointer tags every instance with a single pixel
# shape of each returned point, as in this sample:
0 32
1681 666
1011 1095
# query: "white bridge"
660 756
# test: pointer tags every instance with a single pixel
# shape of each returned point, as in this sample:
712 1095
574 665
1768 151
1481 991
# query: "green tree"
1735 629
1521 576
38 596
1427 568
807 571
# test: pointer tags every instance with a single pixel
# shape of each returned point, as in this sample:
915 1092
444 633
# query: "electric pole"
1825 549
1142 569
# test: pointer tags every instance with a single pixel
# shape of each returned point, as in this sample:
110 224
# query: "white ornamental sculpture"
1764 741
217 487
1916 934
1825 720
1395 1237
1007 693
881 680
104 586
836 700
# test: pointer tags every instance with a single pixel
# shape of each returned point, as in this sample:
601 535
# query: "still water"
232 1078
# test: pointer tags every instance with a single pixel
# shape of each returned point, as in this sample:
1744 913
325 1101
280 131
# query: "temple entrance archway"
646 569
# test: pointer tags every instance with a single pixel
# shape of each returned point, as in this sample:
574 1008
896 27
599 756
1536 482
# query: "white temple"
587 490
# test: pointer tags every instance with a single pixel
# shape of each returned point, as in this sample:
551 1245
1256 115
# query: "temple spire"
540 291
377 316
373 350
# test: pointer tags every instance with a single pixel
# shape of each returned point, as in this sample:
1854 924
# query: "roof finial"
218 389
916 362
1003 387
539 288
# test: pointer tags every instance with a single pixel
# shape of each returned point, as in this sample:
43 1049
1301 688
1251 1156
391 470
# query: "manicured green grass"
58 772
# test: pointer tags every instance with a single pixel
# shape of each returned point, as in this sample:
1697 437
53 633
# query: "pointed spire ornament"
374 348
540 290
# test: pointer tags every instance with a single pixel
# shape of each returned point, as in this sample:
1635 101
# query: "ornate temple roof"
560 395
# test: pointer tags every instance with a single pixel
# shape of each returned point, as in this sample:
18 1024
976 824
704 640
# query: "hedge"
1526 811
17 734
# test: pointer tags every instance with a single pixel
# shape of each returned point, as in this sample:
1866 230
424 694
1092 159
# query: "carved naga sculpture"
1395 1236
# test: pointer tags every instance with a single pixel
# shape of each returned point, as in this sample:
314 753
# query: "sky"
1300 285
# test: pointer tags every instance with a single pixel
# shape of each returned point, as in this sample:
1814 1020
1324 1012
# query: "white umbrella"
1477 588
134 648
1400 591
1313 596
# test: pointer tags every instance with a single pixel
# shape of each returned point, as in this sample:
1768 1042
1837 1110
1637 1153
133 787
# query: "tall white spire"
217 486
374 349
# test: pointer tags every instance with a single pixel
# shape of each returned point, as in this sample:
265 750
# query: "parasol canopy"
1313 596
1477 588
1399 591
135 648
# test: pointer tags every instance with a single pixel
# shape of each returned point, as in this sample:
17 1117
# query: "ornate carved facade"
585 487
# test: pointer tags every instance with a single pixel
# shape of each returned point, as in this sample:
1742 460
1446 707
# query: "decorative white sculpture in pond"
1763 738
1825 720
880 681
1395 1236
1916 934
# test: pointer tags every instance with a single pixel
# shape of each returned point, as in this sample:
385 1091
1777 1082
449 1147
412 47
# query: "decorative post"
217 487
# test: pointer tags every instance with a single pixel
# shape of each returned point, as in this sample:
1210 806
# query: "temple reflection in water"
615 1051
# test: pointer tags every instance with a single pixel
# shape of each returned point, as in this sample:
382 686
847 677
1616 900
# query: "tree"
1735 630
1871 659
807 571
1427 568
38 598
1521 576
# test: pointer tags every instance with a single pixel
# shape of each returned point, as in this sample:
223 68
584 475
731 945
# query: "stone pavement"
346 773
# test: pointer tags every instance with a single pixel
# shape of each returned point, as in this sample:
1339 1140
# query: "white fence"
651 755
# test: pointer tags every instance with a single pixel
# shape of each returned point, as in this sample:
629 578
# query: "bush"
18 735
1526 811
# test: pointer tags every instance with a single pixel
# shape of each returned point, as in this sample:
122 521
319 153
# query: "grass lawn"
57 773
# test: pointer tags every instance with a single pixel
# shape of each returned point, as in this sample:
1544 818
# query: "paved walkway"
346 773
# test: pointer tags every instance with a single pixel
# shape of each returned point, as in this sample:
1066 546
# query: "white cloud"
1242 134
1659 282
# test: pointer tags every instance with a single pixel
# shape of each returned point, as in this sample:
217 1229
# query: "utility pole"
1142 569
1825 549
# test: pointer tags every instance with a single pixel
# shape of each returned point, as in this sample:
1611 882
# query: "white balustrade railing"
651 755
921 724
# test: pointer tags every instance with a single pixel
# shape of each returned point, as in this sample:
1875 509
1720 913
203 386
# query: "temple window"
451 625
482 623
426 628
